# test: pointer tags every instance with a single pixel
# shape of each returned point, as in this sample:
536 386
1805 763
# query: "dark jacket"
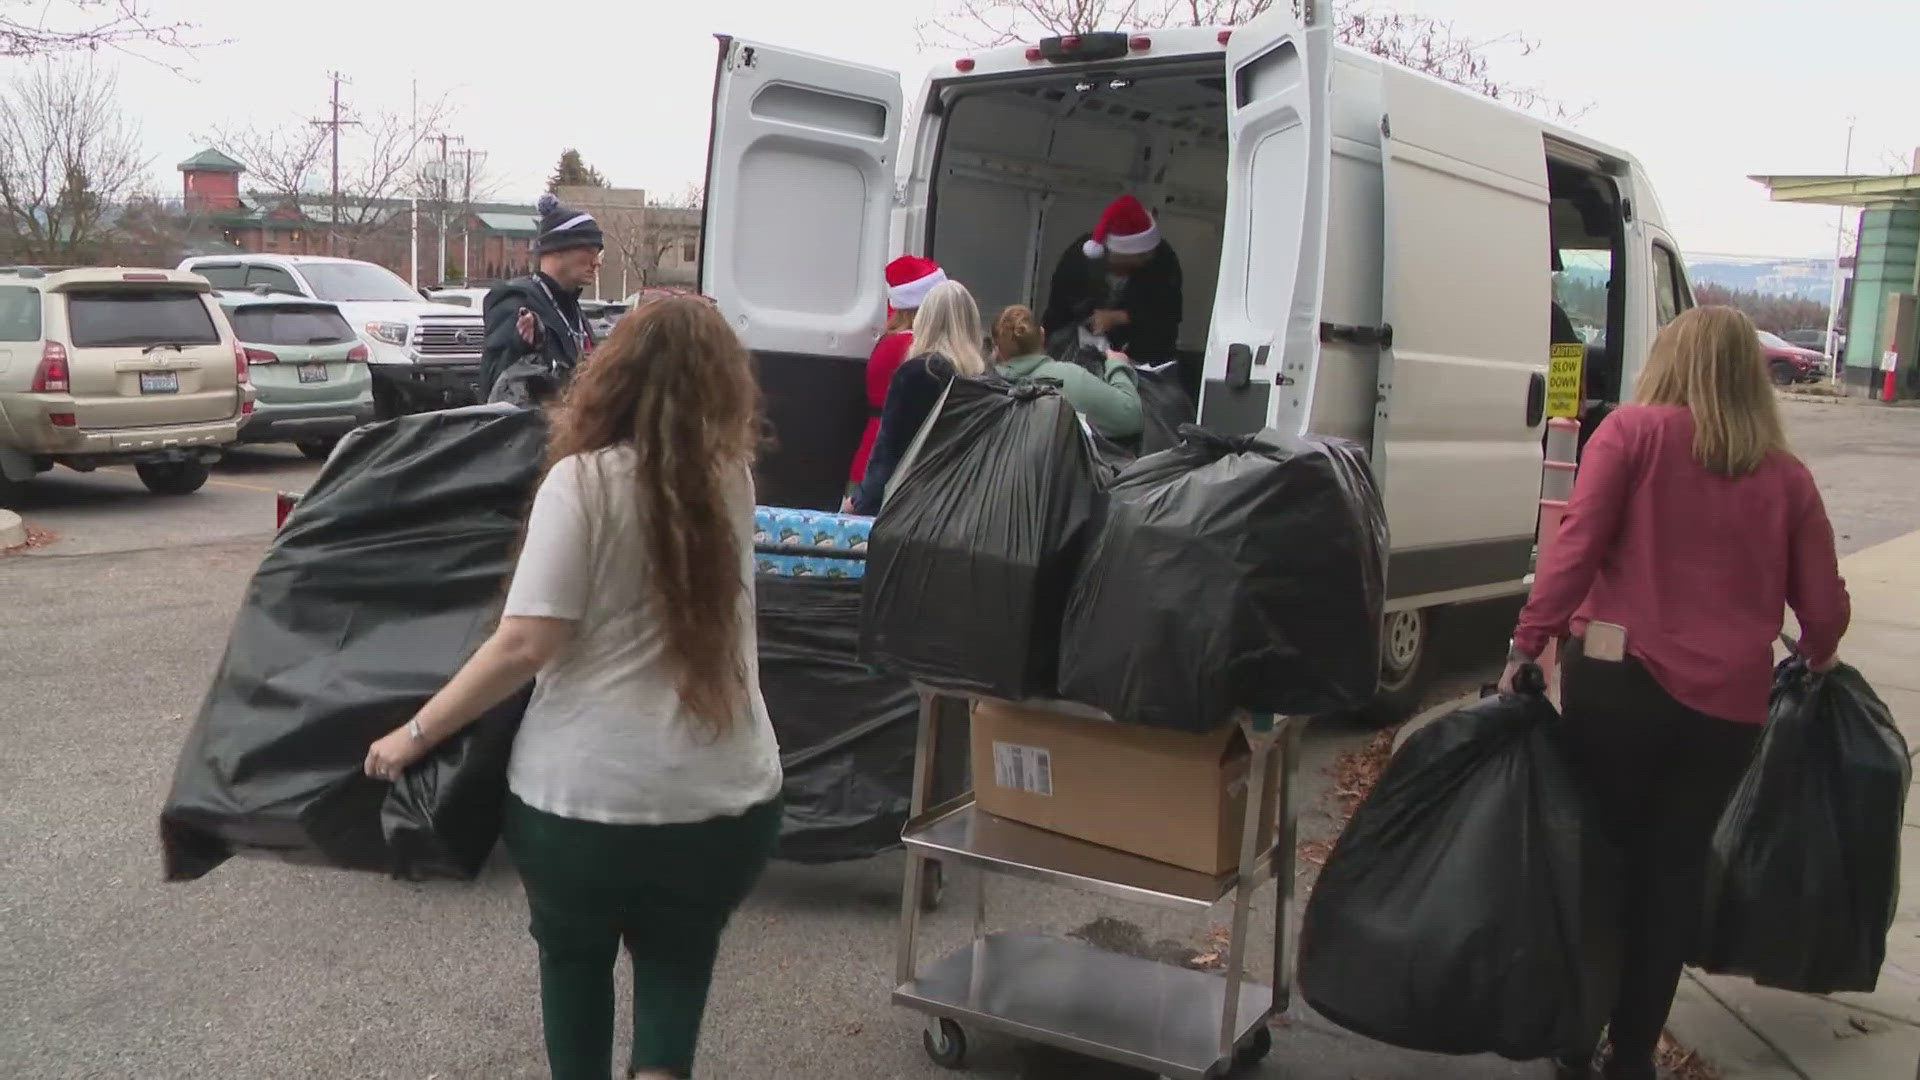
556 350
911 396
1151 298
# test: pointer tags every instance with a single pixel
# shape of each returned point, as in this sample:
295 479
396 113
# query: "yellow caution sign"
1566 370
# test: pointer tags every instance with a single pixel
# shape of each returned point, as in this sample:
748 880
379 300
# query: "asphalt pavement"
108 637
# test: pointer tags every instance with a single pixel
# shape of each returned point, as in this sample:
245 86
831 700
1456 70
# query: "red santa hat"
1125 228
909 279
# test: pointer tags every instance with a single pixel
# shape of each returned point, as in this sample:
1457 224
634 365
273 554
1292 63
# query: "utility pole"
440 268
466 215
335 123
1834 296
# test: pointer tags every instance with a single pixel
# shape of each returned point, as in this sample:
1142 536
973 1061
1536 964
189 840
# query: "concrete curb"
13 531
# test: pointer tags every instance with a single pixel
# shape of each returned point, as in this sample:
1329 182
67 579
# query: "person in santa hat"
1121 281
909 279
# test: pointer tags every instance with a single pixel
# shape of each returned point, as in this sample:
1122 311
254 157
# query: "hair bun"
547 203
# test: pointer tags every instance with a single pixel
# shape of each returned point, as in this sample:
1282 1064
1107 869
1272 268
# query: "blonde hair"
901 320
1017 333
1710 361
949 324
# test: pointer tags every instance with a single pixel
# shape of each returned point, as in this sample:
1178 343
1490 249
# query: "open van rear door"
800 182
1263 347
1468 294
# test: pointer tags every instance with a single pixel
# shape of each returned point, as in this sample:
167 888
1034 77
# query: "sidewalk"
1751 1033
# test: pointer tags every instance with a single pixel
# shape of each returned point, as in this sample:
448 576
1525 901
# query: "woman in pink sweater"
1691 529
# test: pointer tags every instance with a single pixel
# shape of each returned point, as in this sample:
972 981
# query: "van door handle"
1378 336
1536 398
1239 366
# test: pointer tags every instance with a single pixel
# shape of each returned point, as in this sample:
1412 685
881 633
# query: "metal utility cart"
1174 1021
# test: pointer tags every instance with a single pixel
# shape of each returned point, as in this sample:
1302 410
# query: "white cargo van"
1368 252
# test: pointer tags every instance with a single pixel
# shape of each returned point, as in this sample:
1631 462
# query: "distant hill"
1806 279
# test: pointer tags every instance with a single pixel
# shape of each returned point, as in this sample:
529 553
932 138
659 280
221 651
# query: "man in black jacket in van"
536 333
1122 281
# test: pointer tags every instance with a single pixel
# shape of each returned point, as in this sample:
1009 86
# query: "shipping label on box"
1023 768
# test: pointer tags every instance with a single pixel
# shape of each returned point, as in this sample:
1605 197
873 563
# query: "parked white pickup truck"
423 355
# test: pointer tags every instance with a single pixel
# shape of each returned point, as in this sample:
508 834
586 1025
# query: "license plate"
313 373
159 382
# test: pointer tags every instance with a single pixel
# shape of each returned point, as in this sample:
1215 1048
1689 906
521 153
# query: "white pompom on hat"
909 279
1125 228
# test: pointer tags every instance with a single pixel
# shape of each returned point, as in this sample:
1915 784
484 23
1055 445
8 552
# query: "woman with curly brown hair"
645 779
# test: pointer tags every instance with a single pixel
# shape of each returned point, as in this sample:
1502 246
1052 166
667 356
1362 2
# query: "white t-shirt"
606 737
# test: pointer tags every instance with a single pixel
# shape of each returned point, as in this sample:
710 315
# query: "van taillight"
51 376
143 277
358 354
240 364
1226 36
260 356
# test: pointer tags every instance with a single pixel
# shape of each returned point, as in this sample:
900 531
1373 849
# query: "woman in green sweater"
1110 401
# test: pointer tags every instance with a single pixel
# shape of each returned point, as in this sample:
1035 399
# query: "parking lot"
108 636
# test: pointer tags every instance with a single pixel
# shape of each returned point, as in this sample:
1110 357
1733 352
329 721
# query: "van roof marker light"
964 64
1225 36
1140 43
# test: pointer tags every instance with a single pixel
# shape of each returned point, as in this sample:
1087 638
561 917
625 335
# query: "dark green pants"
666 891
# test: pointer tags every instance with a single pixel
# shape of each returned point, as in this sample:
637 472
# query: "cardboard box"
1164 795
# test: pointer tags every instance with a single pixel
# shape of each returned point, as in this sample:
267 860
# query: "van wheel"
1784 374
1404 640
11 491
172 477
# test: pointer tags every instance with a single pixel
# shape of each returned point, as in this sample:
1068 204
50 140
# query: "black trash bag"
1165 407
1231 573
386 577
974 550
1471 906
1805 872
846 730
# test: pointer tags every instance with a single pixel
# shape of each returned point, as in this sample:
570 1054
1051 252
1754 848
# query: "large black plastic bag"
974 550
1805 873
1165 407
1244 572
388 574
846 730
1471 906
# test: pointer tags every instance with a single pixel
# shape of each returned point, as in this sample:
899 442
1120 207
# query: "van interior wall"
1025 171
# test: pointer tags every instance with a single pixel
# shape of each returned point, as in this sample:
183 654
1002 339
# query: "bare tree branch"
52 27
1416 41
68 158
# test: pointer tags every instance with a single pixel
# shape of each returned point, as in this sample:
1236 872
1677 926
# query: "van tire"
11 491
1406 638
173 477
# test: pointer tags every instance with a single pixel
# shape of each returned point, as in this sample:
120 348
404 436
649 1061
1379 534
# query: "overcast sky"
1704 92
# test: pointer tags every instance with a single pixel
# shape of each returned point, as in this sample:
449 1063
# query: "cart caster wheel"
948 1049
933 887
1256 1050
